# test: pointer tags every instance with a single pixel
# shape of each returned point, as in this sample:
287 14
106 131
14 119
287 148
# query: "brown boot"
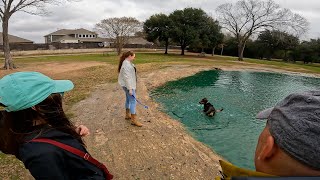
128 114
134 120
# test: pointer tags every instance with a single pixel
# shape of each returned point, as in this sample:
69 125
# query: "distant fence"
51 46
140 46
54 46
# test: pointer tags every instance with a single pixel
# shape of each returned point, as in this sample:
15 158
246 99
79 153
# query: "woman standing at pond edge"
128 81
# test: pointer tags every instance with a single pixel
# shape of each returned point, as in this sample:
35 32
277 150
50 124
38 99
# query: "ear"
35 108
268 150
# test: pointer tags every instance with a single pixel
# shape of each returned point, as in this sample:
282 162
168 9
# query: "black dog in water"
208 107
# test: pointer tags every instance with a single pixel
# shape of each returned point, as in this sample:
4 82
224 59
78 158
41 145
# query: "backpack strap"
77 152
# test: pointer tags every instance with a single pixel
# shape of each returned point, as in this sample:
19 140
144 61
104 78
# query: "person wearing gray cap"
289 145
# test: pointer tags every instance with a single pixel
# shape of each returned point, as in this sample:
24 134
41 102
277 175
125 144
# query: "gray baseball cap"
295 125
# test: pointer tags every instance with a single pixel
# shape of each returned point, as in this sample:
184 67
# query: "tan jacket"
229 171
127 75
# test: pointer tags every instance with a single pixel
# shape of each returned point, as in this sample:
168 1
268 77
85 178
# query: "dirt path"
54 68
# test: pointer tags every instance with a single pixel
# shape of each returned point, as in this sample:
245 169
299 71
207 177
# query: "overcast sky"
86 13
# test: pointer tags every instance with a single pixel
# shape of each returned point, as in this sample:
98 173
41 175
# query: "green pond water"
232 133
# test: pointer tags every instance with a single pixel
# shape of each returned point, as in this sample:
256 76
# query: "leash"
145 106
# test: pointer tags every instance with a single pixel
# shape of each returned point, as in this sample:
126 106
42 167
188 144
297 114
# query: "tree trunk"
167 44
182 49
221 53
270 55
214 48
119 45
285 55
241 47
119 51
8 63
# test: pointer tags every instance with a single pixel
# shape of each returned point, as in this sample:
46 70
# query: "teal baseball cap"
22 90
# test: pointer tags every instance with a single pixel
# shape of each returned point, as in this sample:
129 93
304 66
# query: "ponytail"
123 57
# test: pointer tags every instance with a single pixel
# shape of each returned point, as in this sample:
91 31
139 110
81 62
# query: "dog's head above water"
203 101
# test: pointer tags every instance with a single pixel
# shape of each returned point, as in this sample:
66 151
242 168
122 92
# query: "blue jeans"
131 102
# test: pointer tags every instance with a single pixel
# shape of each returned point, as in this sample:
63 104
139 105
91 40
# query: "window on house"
79 35
93 35
87 35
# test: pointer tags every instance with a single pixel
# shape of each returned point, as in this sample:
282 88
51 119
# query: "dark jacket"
46 161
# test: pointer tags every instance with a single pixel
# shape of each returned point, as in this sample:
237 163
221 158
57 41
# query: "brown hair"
20 124
8 144
123 57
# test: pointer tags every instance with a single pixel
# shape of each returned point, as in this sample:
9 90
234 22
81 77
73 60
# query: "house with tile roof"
74 36
15 40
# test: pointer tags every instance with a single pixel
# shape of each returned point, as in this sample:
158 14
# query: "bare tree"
119 29
8 8
247 17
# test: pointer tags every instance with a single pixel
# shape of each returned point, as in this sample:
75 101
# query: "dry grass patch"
11 168
86 79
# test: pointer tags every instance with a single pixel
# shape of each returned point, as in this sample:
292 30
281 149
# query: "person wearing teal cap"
33 122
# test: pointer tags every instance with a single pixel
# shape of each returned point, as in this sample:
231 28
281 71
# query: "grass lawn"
85 79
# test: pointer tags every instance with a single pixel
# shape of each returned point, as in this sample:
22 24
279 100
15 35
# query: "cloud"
86 13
